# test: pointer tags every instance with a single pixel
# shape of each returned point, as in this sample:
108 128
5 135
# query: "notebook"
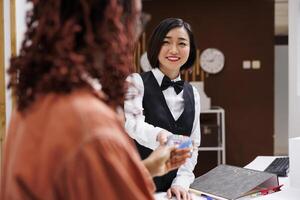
226 182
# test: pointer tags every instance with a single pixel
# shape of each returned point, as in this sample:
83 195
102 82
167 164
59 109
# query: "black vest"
157 113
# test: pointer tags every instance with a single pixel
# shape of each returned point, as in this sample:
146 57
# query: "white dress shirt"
146 134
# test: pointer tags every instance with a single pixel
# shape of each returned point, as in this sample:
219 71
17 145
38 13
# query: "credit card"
180 141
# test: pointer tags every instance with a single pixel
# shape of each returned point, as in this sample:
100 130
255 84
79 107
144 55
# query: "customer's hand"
166 158
179 192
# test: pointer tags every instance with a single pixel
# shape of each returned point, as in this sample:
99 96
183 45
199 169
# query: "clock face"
212 60
145 65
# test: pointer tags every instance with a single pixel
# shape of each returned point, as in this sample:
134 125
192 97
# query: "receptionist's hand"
179 192
162 136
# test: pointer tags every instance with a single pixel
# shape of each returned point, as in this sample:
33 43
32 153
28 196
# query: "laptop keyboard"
279 166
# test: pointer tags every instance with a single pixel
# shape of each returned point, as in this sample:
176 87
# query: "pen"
207 197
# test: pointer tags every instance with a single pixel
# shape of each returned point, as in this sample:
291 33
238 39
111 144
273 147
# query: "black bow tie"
177 85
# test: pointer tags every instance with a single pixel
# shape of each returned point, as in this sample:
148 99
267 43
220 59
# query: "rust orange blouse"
71 147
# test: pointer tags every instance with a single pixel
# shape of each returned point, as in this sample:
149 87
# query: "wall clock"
212 60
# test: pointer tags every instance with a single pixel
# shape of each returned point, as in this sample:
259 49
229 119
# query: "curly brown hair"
68 38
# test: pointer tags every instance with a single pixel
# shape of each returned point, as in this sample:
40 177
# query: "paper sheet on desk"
163 196
288 194
260 163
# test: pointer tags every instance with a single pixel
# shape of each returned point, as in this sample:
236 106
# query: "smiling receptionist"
159 103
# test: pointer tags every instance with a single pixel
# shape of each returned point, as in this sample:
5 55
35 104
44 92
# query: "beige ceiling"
281 17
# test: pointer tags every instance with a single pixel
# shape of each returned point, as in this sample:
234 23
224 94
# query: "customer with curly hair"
65 139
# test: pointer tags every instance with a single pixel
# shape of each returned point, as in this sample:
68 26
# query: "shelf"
213 110
210 148
212 123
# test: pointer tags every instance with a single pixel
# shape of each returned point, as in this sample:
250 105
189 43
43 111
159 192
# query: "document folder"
226 182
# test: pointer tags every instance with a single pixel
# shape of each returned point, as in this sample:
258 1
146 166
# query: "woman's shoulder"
93 115
135 81
81 104
87 103
134 77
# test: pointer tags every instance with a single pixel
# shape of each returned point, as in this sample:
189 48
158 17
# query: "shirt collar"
159 76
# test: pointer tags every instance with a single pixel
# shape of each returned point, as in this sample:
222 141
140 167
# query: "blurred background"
245 104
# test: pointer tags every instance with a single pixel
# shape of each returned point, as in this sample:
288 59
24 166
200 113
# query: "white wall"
7 53
294 67
21 7
294 84
281 100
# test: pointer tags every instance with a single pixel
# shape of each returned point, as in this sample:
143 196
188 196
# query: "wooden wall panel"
242 30
4 51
